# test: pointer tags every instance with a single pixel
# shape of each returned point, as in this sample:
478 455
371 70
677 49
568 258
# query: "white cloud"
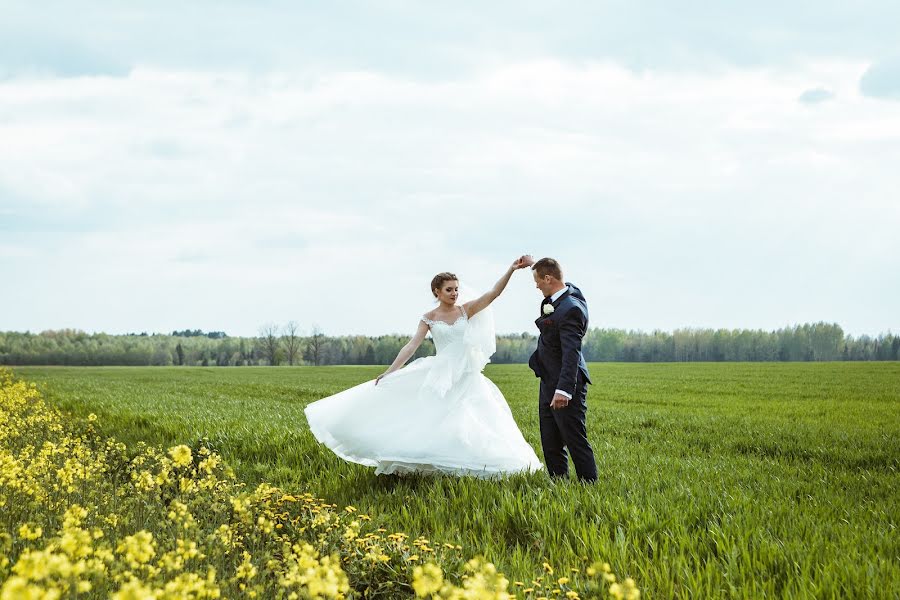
882 79
816 96
226 199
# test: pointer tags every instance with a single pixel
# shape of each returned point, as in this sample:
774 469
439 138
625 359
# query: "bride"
439 414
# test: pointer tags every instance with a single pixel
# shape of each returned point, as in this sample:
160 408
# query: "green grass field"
716 480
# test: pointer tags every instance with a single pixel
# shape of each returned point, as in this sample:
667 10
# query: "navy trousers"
564 433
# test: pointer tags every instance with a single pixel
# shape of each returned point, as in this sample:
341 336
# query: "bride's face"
448 292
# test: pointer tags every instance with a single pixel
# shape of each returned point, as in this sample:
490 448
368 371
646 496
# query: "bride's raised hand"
523 261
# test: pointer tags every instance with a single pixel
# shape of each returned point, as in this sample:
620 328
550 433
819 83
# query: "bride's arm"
406 351
479 304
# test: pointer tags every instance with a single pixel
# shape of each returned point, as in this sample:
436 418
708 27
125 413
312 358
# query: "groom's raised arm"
571 332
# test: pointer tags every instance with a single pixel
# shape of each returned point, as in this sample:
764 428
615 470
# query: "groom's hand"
559 401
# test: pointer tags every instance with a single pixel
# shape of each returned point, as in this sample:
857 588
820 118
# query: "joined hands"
523 261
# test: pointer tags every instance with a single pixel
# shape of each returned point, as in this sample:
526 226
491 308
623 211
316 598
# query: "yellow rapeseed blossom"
351 532
181 455
144 480
74 516
210 463
631 590
318 577
159 529
134 589
76 542
19 588
28 532
427 580
246 570
615 590
138 548
225 535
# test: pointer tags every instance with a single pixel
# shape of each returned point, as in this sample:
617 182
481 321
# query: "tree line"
288 345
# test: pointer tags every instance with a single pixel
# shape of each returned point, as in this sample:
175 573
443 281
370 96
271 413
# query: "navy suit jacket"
558 359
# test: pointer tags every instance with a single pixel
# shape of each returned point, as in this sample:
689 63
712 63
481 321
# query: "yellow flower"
352 531
615 590
74 516
144 480
631 590
18 588
246 570
208 464
138 548
427 580
76 542
29 533
181 455
134 590
213 514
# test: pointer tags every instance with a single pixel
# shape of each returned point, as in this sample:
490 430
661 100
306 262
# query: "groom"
559 364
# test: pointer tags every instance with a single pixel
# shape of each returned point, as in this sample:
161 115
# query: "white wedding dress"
439 414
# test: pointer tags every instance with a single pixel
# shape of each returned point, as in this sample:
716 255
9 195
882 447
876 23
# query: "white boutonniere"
548 309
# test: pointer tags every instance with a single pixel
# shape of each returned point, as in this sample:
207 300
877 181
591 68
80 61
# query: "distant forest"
287 346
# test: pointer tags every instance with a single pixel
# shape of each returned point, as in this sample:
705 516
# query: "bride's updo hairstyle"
439 281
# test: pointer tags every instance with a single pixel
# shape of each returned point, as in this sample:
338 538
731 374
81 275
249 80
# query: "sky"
226 165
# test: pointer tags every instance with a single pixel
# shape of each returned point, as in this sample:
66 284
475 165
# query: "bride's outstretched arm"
407 351
479 304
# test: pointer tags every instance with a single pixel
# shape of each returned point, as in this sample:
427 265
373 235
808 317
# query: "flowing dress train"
439 414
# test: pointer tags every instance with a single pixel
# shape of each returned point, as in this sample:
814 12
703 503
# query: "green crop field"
729 480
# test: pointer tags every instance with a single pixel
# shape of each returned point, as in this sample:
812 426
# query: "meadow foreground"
716 480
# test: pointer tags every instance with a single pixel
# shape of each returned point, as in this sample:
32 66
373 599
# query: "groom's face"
545 283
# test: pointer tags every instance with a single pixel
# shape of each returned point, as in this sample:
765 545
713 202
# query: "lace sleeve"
427 321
